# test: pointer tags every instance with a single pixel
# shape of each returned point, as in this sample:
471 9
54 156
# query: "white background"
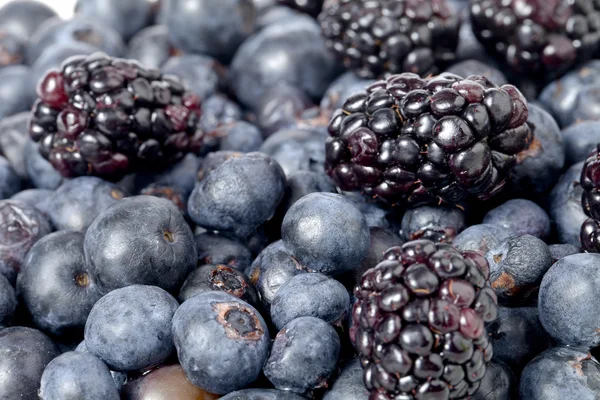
64 8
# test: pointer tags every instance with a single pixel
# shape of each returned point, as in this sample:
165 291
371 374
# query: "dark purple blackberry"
310 7
407 140
418 323
538 36
106 116
590 201
375 38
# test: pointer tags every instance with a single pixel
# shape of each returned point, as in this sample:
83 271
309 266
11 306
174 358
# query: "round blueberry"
262 394
481 237
8 301
564 206
349 385
580 139
217 249
240 136
151 46
439 224
522 216
125 17
218 278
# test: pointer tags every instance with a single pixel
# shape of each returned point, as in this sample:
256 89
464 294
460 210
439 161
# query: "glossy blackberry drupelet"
262 394
130 328
349 384
77 375
534 37
407 140
218 278
304 354
123 246
310 295
481 237
222 342
326 233
8 302
127 17
418 324
499 383
21 225
580 139
564 206
377 38
570 318
475 67
55 284
24 353
238 195
517 266
590 201
311 7
518 336
77 202
438 224
522 216
103 116
561 373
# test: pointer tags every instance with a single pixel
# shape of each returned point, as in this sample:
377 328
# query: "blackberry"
391 36
310 7
590 201
418 323
407 140
533 36
106 116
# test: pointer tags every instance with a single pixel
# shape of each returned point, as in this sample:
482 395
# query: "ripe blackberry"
418 323
310 7
534 36
407 140
105 116
590 201
391 36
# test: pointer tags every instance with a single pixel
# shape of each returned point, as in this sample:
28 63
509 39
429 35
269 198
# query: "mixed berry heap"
407 140
418 324
590 200
538 35
107 117
391 36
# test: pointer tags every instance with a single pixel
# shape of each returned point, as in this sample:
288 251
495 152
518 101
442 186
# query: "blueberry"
301 183
216 249
172 193
213 160
341 88
439 224
280 107
15 90
587 104
297 149
580 139
130 328
239 195
349 384
21 226
119 378
55 283
78 29
10 182
125 246
376 216
199 73
208 27
481 237
23 17
218 278
564 206
304 354
310 295
218 110
569 296
222 342
13 139
41 173
125 17
561 373
559 251
325 232
8 301
517 266
303 60
539 165
498 383
24 353
77 375
273 268
240 136
381 240
77 202
181 175
475 67
262 394
522 216
151 46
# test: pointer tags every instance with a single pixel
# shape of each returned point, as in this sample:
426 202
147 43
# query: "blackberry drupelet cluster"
310 7
375 38
538 36
107 117
590 201
407 140
418 323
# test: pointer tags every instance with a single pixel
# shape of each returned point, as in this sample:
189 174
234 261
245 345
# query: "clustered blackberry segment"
310 7
418 323
536 35
107 117
407 140
590 200
391 36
